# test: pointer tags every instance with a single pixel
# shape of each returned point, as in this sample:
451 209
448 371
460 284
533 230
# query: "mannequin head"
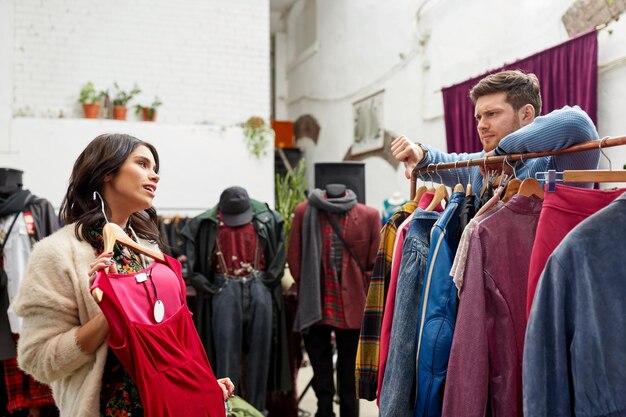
335 190
10 180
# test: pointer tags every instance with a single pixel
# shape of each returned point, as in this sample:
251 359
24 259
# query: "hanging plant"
258 136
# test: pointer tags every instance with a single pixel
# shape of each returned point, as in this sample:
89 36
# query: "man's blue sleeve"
557 130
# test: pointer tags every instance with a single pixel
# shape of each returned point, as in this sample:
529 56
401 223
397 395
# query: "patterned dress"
119 396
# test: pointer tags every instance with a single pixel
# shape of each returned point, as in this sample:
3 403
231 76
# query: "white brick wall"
208 60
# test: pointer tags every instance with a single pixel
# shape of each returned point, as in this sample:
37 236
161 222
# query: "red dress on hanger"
152 334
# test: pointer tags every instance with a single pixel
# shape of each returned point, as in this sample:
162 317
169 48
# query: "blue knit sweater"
557 130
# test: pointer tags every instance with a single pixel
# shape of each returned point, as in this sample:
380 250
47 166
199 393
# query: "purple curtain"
568 74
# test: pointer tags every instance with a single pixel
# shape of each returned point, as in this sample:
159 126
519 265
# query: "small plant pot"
147 116
119 112
91 110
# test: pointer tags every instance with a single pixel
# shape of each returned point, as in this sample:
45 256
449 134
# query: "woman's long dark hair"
103 156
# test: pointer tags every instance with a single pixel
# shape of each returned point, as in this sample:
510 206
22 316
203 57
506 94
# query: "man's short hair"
520 89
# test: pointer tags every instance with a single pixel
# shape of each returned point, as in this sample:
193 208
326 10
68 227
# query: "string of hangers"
501 159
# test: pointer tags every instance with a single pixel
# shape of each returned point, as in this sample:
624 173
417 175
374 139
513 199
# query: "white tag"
159 311
141 277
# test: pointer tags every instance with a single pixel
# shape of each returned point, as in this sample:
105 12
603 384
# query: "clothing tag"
159 311
30 223
141 277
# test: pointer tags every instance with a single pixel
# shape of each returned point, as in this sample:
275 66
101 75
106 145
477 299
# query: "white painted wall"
196 162
208 61
412 49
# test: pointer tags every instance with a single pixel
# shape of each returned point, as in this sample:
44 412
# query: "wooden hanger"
512 188
458 188
441 193
594 176
112 233
468 190
530 187
419 193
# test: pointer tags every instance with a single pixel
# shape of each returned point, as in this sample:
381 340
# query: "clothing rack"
501 159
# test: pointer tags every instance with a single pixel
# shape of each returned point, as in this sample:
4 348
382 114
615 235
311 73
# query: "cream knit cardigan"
54 301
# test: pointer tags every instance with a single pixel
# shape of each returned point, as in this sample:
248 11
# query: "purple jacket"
486 357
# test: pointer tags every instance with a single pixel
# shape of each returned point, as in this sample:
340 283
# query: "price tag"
159 311
141 277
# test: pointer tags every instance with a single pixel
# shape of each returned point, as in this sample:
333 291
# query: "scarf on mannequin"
310 299
13 200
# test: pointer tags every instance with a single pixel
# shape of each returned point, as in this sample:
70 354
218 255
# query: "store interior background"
215 63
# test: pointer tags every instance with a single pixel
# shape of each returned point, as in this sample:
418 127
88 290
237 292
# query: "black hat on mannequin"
235 206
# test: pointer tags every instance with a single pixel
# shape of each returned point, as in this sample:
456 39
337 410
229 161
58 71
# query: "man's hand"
408 152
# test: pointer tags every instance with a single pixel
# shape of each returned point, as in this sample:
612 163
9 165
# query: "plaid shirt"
22 390
332 304
366 368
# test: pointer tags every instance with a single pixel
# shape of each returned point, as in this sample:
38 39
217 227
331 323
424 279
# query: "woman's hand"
102 261
227 387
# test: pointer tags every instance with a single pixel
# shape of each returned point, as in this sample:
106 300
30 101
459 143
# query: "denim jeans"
396 396
437 312
242 323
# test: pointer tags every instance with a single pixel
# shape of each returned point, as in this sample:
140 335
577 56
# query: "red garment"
238 246
562 210
23 391
363 234
166 360
332 303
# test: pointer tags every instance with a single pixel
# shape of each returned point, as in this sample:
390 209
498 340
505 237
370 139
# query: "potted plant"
90 98
290 191
121 99
149 112
258 135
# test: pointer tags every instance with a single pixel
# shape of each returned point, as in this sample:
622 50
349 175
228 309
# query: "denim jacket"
437 312
396 394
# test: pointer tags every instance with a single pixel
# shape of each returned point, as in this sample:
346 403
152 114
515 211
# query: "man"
507 108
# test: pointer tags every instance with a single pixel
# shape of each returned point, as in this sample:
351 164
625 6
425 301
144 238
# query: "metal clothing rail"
585 146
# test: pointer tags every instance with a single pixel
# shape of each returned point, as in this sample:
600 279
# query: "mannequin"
236 260
335 190
332 250
10 180
24 219
391 204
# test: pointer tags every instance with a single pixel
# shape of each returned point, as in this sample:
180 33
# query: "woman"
64 330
